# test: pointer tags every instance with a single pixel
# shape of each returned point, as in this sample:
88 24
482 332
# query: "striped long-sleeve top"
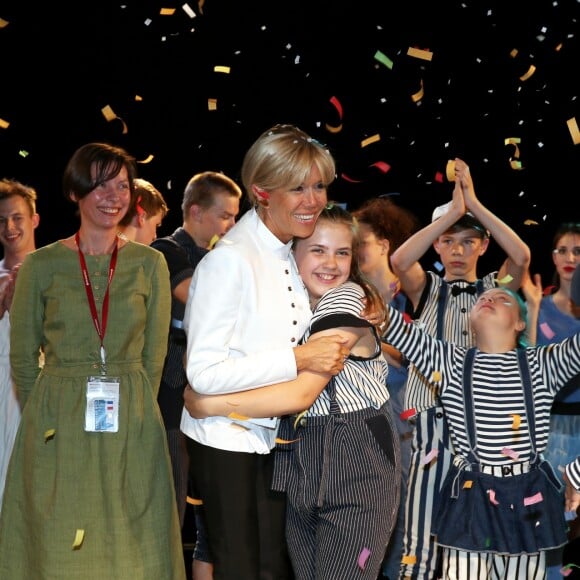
499 407
362 382
573 473
421 394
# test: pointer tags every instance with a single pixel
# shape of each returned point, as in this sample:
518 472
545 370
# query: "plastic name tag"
102 412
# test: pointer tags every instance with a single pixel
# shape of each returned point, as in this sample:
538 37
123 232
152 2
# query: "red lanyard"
100 327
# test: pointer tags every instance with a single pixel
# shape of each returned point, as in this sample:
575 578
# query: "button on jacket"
247 308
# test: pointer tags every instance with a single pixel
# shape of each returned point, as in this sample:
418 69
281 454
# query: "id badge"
102 412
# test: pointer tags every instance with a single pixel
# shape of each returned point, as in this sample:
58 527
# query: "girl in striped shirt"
339 461
501 504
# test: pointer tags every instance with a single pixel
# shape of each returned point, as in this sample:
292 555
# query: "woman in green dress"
89 490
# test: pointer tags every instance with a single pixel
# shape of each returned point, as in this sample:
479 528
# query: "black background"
61 63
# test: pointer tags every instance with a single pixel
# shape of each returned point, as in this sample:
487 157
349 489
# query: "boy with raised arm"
460 233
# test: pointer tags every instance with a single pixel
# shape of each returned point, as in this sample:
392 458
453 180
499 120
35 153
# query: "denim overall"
481 512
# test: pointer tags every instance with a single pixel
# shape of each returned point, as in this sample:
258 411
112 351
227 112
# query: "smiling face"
108 202
324 259
17 225
290 213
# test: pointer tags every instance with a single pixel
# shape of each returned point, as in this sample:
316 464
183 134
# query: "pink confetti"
431 455
547 331
491 494
337 106
566 571
439 177
510 453
363 557
350 179
533 499
381 166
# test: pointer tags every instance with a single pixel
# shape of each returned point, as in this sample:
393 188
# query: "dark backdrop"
298 62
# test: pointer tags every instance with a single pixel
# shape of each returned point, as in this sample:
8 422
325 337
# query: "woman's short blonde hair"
282 157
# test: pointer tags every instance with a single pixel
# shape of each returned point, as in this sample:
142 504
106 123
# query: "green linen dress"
82 504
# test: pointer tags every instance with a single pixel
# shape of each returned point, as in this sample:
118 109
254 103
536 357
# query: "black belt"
176 332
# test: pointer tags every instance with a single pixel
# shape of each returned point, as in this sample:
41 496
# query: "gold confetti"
419 94
529 73
167 11
332 129
516 422
530 223
338 106
409 559
573 128
212 104
514 52
450 170
214 240
516 164
285 441
436 376
200 6
238 417
422 54
298 417
138 98
49 434
108 113
369 140
78 541
4 124
194 501
513 141
148 159
468 484
221 69
3 23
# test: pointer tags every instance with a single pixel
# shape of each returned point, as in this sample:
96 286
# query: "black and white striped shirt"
420 393
497 388
362 382
573 473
